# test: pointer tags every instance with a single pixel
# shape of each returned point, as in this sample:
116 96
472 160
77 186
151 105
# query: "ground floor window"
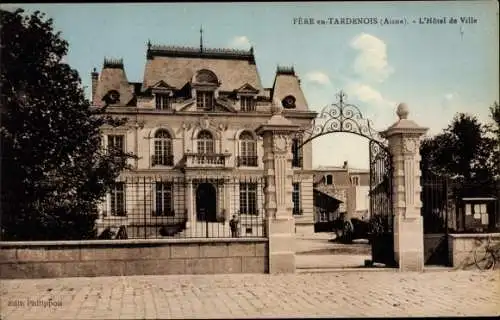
248 198
164 199
117 199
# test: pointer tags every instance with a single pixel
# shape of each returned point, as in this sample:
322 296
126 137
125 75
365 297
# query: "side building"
340 190
192 122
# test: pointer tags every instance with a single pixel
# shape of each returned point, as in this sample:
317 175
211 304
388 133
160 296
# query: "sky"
436 69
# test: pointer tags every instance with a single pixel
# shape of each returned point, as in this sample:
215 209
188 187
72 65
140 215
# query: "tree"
54 171
494 128
463 150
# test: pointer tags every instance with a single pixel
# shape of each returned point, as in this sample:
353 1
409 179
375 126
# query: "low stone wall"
462 246
53 259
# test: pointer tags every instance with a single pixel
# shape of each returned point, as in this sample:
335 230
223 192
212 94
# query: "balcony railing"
162 160
247 161
206 160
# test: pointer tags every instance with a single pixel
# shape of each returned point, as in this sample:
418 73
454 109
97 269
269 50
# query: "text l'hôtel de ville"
383 21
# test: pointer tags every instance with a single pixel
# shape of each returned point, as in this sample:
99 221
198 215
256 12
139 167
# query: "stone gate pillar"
404 144
278 205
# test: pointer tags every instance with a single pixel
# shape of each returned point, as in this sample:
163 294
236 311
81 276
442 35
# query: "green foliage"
495 130
463 151
54 171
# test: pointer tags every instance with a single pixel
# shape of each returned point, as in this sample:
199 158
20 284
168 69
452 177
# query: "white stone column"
278 203
404 144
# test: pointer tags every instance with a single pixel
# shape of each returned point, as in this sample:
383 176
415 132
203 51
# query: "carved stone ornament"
204 123
410 145
280 143
186 126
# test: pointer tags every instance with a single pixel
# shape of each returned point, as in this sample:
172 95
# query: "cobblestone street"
339 294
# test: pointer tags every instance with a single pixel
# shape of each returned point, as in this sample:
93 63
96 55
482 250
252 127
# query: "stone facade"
194 115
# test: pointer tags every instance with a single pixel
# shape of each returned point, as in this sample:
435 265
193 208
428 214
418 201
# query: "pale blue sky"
435 69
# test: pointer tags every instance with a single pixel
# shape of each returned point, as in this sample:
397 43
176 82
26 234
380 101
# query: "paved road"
316 251
339 294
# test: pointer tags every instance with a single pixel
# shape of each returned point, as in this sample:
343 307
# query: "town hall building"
193 118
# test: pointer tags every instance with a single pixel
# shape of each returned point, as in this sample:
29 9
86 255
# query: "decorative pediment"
246 88
162 85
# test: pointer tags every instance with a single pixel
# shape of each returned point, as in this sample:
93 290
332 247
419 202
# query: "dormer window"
204 100
205 83
163 102
288 102
247 103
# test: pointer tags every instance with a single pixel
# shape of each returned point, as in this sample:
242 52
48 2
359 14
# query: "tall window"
204 100
296 198
355 180
115 143
163 149
248 150
163 102
164 199
205 142
247 103
297 154
248 198
329 179
117 199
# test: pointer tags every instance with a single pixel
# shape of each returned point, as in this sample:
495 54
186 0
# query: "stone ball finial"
402 111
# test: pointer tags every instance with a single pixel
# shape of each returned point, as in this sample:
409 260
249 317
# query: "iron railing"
182 207
451 205
247 161
162 160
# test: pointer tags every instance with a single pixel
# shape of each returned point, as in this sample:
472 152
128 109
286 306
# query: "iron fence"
437 204
183 207
452 205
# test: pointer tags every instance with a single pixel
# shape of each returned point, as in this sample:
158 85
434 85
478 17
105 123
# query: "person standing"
233 224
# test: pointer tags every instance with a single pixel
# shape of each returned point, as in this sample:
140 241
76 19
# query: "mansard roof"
287 84
177 65
113 77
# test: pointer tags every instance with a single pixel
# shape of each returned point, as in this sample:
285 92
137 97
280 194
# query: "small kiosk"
478 214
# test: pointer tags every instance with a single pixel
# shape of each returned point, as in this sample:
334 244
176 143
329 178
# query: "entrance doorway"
206 203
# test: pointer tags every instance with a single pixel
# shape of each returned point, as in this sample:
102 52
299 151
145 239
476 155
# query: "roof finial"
201 38
149 44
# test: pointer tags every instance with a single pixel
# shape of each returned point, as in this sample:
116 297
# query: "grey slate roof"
177 65
286 83
113 77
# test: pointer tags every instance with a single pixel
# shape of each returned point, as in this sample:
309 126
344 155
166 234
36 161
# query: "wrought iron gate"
347 118
381 208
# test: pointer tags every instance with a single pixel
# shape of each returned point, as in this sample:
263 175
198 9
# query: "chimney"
95 78
346 165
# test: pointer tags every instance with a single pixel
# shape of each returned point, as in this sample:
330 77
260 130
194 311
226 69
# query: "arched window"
205 98
248 150
205 142
163 149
